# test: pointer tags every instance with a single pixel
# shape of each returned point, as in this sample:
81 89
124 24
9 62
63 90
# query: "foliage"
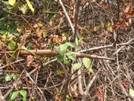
76 66
87 63
14 95
13 2
65 56
8 77
27 25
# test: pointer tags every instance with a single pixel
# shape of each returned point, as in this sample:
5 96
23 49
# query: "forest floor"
42 78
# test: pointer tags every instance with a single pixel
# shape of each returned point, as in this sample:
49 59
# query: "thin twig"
107 46
1 96
123 46
80 82
66 14
27 74
43 65
88 87
68 78
76 19
2 67
77 4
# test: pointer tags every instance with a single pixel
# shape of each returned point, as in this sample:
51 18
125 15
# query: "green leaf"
68 98
71 56
80 40
91 70
73 45
76 66
60 58
110 28
11 45
11 2
131 92
66 60
5 2
60 72
16 4
87 63
5 35
8 77
62 49
14 95
14 76
24 99
30 6
23 8
23 93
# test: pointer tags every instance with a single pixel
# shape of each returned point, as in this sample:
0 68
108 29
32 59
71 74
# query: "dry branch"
55 53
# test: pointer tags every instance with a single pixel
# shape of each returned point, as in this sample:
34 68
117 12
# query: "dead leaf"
73 89
125 85
104 4
128 8
100 95
30 59
118 25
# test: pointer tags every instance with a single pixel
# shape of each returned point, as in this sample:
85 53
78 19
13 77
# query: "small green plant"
64 52
14 95
86 63
66 56
9 77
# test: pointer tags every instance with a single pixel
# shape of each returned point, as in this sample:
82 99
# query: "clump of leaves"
86 62
14 95
8 77
64 52
66 56
23 8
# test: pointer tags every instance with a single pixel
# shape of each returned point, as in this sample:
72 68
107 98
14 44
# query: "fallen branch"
55 53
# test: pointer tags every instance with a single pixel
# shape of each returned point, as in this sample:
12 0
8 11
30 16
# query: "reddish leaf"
118 25
104 4
100 95
125 85
30 59
128 9
132 13
30 82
